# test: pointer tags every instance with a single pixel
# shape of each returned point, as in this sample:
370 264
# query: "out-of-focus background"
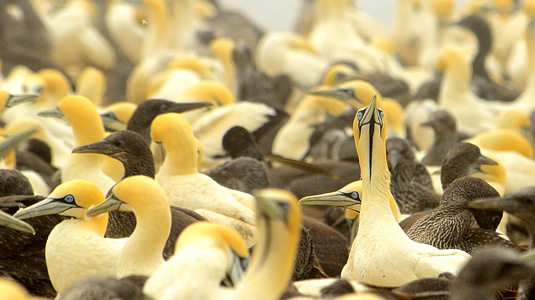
281 14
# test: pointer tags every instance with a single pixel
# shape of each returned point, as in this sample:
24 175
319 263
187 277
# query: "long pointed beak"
111 204
337 93
11 141
102 147
13 100
11 222
53 113
498 203
528 256
187 106
483 160
332 199
46 207
428 123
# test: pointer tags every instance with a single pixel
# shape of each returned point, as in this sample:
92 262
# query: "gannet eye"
351 92
284 205
360 114
119 143
381 114
69 198
354 195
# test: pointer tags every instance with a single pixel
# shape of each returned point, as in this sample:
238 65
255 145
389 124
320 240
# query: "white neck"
142 254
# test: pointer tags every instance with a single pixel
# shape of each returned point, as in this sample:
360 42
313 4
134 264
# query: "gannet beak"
11 222
483 160
186 106
528 256
337 198
48 206
428 123
341 94
13 140
13 100
111 204
53 113
507 204
102 147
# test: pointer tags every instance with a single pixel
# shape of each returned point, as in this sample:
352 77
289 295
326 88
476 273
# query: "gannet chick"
187 188
204 254
146 112
76 248
489 270
23 258
462 160
520 204
105 288
148 201
130 149
380 238
449 225
87 126
411 184
446 136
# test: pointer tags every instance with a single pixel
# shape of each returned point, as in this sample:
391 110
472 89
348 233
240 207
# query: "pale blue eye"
381 114
360 114
69 198
355 195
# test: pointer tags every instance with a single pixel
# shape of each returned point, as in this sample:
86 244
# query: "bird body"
187 188
380 240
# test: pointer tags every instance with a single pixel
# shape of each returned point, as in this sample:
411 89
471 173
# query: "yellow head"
191 63
205 10
84 118
383 44
122 111
91 84
27 123
72 198
9 158
513 119
443 9
222 48
221 236
171 126
494 174
56 84
157 10
210 91
337 74
529 8
139 192
451 57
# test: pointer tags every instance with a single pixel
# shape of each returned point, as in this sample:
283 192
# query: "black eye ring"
284 205
69 198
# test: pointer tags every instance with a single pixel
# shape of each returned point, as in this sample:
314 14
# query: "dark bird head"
146 112
238 142
442 122
398 149
489 270
129 148
463 191
520 204
13 182
462 160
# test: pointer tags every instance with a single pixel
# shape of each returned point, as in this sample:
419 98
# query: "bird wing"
433 263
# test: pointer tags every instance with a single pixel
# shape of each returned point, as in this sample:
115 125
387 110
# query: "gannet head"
368 128
348 197
9 100
71 198
117 115
132 192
